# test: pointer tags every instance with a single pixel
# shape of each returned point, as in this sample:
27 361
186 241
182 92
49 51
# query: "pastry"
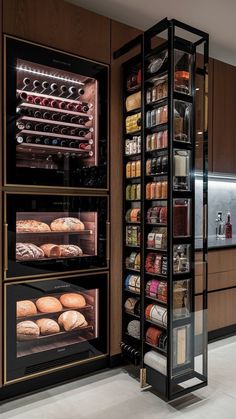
48 305
27 251
72 300
72 320
67 224
31 226
48 326
25 308
70 250
51 250
27 330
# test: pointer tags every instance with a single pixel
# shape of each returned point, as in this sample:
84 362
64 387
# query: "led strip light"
44 73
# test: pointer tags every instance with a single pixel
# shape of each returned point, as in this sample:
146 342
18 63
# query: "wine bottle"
54 104
26 83
21 97
46 115
65 118
70 106
37 100
29 126
45 102
64 131
55 141
37 114
56 130
46 141
19 139
81 133
74 119
20 125
38 127
63 143
38 140
72 144
47 128
62 105
55 116
30 99
23 112
53 88
29 139
73 131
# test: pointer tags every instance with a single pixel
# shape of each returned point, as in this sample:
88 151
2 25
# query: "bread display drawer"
48 234
51 323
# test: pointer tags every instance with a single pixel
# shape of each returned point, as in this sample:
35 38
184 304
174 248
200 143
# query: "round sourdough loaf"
25 308
72 300
70 250
48 326
67 224
27 330
28 251
32 226
48 305
72 320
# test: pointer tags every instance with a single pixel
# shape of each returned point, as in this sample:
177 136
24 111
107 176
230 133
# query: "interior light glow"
42 73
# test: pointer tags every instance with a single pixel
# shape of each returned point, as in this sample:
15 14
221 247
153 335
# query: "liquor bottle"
19 139
37 100
56 129
55 116
46 102
228 227
26 83
46 115
36 84
37 114
53 88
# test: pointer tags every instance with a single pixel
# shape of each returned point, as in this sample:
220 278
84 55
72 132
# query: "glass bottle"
220 228
228 227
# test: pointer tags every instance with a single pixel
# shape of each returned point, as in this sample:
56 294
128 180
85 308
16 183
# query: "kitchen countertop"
214 244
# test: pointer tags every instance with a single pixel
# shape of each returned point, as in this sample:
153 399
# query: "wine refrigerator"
164 318
56 118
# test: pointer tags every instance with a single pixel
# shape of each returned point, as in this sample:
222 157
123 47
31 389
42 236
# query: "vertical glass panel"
181 299
182 121
181 215
181 181
181 258
183 75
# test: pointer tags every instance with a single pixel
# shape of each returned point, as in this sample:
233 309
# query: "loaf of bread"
72 300
48 326
51 250
72 320
70 250
28 251
67 224
25 308
48 305
27 330
31 226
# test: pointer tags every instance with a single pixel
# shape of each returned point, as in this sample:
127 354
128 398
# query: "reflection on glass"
181 170
181 299
183 62
181 346
182 117
181 217
181 258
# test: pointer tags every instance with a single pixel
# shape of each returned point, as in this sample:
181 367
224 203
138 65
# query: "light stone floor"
114 394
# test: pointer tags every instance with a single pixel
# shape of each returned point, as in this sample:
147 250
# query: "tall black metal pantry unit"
165 141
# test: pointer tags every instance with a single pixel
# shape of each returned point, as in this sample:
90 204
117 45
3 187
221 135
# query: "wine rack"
162 316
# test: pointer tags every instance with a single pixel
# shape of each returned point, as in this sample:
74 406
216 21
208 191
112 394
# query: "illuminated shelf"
43 147
52 134
52 109
58 98
51 121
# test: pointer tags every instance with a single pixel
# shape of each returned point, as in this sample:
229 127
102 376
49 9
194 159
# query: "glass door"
48 234
56 118
53 323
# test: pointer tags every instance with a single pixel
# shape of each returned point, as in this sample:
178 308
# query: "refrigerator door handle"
5 247
108 225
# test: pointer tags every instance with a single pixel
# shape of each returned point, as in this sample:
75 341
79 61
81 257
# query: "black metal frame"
167 386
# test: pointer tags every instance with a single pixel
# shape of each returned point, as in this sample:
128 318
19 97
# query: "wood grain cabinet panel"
59 24
224 123
221 309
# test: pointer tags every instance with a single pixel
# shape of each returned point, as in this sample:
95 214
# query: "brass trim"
143 376
5 239
108 225
61 188
48 371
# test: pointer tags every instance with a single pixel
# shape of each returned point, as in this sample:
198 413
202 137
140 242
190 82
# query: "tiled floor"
116 395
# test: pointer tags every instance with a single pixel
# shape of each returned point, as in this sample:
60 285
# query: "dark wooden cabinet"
223 118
